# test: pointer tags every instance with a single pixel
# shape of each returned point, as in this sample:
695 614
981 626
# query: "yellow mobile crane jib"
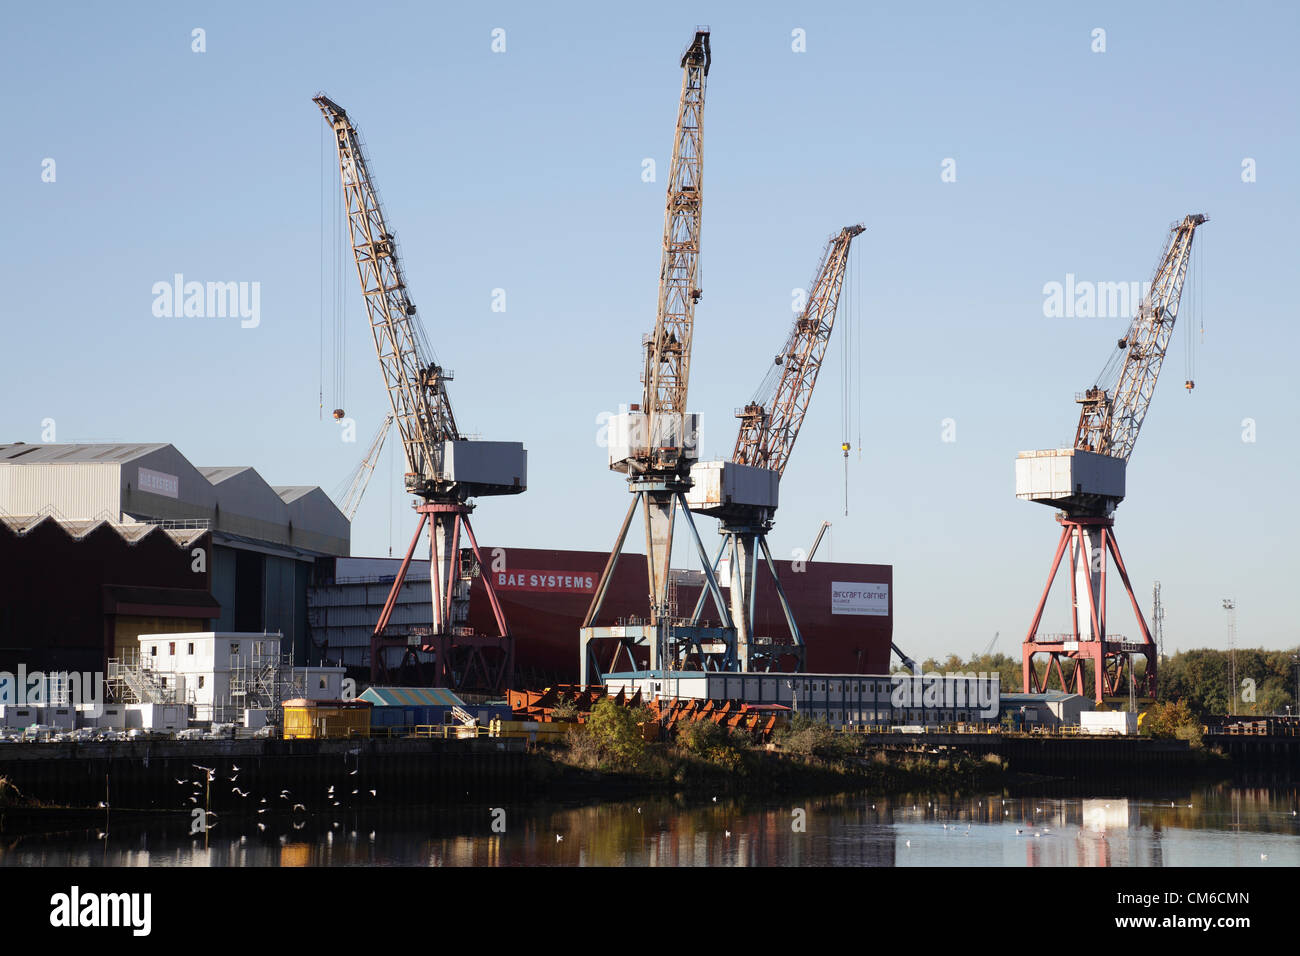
743 492
444 470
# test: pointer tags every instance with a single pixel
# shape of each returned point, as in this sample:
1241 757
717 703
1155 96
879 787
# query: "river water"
1222 825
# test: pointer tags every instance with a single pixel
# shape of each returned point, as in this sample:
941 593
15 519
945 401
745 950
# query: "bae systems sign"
564 582
870 599
159 483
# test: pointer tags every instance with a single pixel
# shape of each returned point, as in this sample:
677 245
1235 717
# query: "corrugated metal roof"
21 452
411 697
219 473
84 481
78 530
290 493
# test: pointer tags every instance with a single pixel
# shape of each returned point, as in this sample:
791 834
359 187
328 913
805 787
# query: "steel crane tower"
444 469
655 442
743 492
1085 483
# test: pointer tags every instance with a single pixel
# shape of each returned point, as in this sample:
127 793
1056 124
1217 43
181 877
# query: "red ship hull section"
545 595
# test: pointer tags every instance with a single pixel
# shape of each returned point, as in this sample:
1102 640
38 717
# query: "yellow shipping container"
318 719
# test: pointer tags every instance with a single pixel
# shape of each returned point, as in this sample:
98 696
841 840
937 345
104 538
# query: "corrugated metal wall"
78 490
223 585
280 605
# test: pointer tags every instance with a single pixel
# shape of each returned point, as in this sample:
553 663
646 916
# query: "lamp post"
1230 605
1295 659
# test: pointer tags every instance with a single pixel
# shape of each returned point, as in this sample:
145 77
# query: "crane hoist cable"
320 381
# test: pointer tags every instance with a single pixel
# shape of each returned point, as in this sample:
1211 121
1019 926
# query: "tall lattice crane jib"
1113 409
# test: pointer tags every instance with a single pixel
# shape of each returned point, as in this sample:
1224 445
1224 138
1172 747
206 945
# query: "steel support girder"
729 541
445 520
659 505
1080 535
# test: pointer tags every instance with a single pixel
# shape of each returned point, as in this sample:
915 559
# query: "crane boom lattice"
416 383
1113 411
668 360
770 424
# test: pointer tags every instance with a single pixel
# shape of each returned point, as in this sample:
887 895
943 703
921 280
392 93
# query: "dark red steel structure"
1108 657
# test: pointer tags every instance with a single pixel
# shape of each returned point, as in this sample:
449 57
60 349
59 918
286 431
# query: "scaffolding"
132 680
263 678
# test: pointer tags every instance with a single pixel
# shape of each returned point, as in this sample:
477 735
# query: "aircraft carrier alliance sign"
853 598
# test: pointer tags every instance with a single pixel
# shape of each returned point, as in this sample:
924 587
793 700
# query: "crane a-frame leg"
1088 541
743 595
463 659
664 635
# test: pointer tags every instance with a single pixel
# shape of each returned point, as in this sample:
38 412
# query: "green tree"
614 730
1203 678
1168 718
1007 668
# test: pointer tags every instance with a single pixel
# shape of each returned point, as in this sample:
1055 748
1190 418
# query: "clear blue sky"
522 171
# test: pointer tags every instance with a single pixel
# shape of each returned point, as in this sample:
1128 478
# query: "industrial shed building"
242 547
73 592
416 706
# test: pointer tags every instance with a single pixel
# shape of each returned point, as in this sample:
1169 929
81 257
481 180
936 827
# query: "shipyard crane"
655 442
743 492
359 480
1086 483
445 471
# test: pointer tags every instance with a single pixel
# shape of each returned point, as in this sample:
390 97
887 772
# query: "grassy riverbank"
611 757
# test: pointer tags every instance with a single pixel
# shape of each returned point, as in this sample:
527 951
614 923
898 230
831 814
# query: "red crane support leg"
1150 651
378 671
487 581
1109 655
1029 679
